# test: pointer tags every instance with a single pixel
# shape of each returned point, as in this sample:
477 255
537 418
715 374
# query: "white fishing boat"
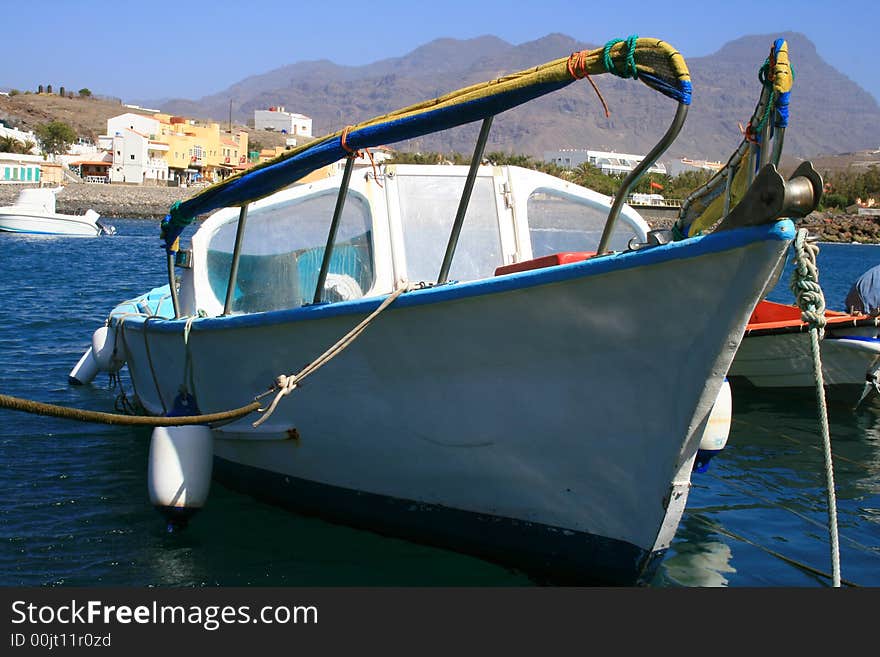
775 352
530 372
34 213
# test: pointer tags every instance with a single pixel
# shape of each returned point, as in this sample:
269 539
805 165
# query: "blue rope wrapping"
633 72
680 92
781 110
781 119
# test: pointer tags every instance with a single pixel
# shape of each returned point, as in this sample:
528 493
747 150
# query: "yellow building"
200 151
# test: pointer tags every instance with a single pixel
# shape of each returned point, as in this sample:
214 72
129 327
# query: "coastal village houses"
163 149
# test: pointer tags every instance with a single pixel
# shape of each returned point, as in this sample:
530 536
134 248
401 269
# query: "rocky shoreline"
111 201
145 202
826 226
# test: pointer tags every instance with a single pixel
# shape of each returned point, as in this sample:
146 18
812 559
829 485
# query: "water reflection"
765 497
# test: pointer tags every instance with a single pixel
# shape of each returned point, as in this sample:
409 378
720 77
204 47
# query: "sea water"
74 508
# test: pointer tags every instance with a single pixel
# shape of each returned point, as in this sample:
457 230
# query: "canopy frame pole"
766 150
465 199
777 145
756 151
236 257
334 227
728 190
172 284
636 174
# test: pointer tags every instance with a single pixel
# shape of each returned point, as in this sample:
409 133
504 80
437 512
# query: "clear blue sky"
150 50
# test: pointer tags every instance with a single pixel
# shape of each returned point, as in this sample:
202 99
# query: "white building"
15 168
143 124
276 119
678 167
137 158
137 154
609 162
22 136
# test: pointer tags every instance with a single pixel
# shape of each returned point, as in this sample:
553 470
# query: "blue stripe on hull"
548 555
26 232
704 245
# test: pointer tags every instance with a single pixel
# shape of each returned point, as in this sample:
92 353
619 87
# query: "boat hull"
549 554
55 224
506 418
783 358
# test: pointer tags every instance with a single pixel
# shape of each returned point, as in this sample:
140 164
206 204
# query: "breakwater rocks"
825 226
129 201
830 227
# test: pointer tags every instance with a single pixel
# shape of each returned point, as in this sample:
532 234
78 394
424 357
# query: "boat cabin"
394 227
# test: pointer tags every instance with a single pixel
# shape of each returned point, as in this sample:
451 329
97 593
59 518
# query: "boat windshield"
426 202
560 222
282 250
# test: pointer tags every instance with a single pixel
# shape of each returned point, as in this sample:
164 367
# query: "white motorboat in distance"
34 213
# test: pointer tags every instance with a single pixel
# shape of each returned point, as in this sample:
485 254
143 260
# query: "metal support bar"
731 172
236 256
334 226
755 159
465 199
765 145
172 285
634 175
752 163
777 146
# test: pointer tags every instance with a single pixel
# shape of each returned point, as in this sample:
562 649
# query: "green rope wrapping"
632 71
805 283
771 99
174 219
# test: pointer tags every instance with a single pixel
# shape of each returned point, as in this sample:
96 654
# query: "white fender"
85 371
717 429
103 345
179 473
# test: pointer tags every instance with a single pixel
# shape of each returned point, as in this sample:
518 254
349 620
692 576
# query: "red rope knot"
577 68
353 153
749 133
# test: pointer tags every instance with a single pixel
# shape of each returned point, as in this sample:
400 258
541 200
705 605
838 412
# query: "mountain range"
829 112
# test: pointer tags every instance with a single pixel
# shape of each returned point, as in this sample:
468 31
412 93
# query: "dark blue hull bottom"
548 555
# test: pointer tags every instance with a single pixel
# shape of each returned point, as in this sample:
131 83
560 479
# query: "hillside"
830 113
88 116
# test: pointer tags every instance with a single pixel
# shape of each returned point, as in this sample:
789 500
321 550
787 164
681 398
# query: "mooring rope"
284 385
811 301
99 417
